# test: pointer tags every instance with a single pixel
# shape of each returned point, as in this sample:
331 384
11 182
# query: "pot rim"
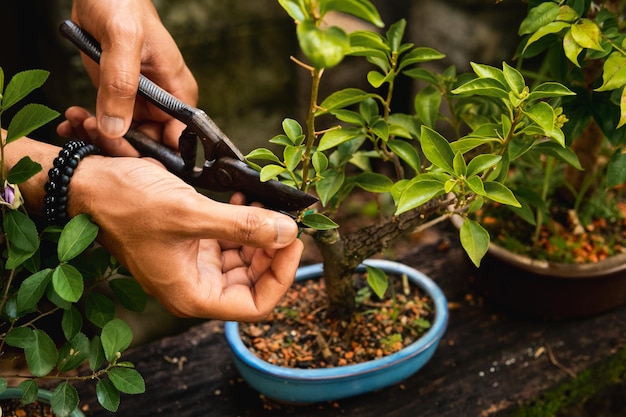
558 269
432 336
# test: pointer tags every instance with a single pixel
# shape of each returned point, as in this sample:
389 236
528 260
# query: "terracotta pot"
316 385
550 289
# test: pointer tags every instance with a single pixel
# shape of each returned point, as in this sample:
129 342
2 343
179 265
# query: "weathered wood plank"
487 362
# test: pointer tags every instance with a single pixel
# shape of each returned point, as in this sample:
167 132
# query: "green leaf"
334 137
325 48
71 322
77 235
23 170
30 391
475 240
538 17
99 309
542 114
344 98
33 289
373 182
549 90
127 380
64 399
293 156
129 293
295 9
418 55
293 130
514 79
320 161
67 282
437 149
263 154
550 28
116 337
20 337
21 85
587 34
500 193
614 72
329 185
318 221
571 48
29 118
427 103
377 280
483 87
487 71
21 230
363 9
271 171
41 354
481 163
96 353
73 353
108 396
616 171
406 152
418 193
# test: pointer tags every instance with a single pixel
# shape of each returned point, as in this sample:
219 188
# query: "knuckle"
248 226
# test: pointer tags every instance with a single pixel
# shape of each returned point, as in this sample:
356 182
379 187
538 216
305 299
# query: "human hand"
132 38
198 257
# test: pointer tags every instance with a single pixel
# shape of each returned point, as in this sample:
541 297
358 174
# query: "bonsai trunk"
342 254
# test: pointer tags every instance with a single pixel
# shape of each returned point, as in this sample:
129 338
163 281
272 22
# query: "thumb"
118 83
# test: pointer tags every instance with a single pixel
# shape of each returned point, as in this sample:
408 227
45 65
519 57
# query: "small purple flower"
10 196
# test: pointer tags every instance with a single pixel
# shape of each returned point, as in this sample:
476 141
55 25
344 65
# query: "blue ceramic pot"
44 397
317 385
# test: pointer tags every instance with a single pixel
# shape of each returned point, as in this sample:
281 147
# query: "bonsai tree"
579 44
352 142
51 312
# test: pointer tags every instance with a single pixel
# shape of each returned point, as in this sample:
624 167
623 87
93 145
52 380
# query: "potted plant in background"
566 240
353 149
49 278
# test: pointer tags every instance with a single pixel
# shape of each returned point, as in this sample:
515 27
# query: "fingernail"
112 126
286 230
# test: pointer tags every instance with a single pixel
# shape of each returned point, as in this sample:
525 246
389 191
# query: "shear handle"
214 141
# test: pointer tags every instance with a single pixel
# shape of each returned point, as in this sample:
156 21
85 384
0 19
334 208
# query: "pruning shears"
224 167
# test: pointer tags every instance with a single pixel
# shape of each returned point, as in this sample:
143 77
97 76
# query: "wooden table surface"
487 364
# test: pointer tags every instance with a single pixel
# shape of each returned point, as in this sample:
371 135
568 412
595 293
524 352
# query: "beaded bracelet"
55 200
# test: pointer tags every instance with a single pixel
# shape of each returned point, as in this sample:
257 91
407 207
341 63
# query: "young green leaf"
22 84
374 182
500 193
41 354
68 282
108 396
23 170
406 152
33 289
475 240
64 399
21 230
29 118
127 380
418 193
318 221
99 309
377 280
538 17
325 48
437 149
77 235
116 337
363 9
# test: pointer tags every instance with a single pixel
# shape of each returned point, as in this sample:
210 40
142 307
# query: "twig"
556 363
